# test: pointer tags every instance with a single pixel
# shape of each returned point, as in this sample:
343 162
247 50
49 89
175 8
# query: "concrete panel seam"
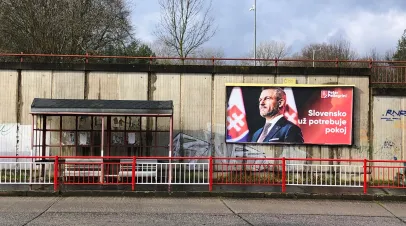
86 86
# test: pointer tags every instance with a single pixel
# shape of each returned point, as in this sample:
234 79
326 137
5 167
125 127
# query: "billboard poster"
294 114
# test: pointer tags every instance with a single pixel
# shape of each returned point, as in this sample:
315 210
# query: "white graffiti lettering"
5 130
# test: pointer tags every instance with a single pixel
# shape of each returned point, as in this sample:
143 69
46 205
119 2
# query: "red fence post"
211 173
283 174
21 57
365 177
336 61
133 174
56 173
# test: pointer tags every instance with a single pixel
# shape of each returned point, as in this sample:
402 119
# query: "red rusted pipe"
210 173
283 174
365 177
56 173
133 174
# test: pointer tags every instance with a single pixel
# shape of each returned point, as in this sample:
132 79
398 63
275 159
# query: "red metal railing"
125 170
207 171
87 56
387 173
326 172
248 171
389 74
383 72
28 170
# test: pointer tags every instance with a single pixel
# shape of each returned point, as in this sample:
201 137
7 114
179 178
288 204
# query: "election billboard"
289 114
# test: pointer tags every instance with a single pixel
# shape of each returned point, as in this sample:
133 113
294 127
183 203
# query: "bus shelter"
102 128
69 127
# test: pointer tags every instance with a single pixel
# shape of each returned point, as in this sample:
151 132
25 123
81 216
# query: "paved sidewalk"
196 211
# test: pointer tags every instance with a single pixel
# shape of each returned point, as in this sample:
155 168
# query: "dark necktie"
264 132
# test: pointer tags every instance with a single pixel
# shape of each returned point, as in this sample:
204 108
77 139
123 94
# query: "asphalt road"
195 211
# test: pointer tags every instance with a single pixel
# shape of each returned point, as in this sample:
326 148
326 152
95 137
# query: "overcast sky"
367 24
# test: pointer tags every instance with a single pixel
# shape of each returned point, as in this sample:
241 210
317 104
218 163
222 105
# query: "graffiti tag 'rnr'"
392 115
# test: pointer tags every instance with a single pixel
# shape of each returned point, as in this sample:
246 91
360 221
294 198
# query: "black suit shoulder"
284 122
293 133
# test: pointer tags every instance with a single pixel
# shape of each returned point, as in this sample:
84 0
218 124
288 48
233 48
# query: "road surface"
195 211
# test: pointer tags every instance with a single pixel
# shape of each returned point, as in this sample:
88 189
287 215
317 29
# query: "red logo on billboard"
324 94
236 122
332 94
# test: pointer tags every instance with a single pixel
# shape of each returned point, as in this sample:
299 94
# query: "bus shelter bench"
83 168
143 168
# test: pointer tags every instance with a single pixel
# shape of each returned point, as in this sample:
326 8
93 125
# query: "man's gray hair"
280 94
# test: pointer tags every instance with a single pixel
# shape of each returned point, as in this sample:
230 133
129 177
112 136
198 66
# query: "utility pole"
255 32
254 7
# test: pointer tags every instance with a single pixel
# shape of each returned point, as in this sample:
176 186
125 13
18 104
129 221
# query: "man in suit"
277 128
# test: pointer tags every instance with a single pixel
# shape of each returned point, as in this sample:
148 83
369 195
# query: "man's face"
268 104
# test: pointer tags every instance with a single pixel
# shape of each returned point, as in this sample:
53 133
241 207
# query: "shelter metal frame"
82 126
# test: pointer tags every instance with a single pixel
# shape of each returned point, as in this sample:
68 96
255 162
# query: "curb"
190 194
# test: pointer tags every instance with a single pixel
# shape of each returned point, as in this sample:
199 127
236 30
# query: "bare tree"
267 52
340 49
209 54
63 26
388 70
389 55
185 25
373 55
161 50
271 50
336 49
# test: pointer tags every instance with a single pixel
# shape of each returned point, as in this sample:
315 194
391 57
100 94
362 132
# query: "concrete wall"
8 97
199 102
118 86
389 128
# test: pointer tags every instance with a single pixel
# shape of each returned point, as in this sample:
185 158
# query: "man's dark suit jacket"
283 131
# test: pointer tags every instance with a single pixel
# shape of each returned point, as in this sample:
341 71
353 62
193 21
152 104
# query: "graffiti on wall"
185 145
390 147
388 144
15 139
189 146
8 139
389 150
6 129
393 115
